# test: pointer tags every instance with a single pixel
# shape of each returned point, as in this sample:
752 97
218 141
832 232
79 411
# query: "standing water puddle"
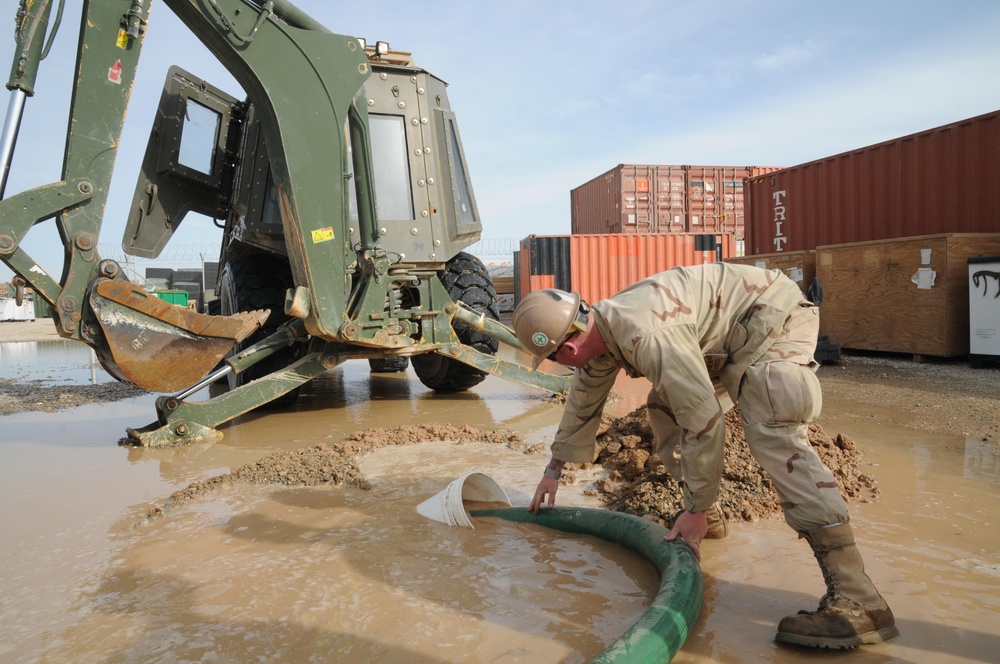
259 573
53 362
301 574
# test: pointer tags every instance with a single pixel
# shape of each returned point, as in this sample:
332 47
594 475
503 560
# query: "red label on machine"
115 73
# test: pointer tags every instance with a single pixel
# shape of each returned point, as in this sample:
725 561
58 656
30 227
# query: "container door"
186 167
643 216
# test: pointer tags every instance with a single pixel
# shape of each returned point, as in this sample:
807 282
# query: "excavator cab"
340 183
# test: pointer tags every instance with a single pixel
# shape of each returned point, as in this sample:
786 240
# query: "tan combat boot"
718 528
852 612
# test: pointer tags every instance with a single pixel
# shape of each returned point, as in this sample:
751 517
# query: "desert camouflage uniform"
705 336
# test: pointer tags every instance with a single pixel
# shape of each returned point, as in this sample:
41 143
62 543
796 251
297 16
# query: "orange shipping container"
598 266
642 199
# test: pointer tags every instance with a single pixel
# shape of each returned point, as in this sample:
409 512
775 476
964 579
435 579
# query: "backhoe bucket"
159 346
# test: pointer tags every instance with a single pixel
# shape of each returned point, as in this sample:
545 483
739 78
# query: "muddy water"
333 574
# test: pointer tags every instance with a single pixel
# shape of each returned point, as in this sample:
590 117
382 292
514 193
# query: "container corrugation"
42 308
651 199
542 262
187 278
160 273
599 265
211 270
942 180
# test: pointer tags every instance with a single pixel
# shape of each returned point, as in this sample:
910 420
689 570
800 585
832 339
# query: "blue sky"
551 94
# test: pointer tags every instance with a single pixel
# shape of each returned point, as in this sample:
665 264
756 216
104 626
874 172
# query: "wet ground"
340 574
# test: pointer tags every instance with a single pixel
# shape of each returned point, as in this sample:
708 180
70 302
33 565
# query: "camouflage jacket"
693 332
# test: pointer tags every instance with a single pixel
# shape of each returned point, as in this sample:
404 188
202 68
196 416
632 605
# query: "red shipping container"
598 266
633 198
943 180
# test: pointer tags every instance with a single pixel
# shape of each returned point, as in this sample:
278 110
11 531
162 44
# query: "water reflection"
54 362
982 460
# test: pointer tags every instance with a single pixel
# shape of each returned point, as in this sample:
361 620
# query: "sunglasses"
579 324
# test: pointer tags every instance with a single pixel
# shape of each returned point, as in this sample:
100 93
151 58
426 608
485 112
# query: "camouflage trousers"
778 399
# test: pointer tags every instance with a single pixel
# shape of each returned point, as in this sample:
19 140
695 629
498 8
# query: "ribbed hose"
662 630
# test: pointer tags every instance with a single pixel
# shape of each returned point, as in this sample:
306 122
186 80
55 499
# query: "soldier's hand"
547 486
691 527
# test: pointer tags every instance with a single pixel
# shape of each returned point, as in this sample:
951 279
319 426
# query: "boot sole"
868 638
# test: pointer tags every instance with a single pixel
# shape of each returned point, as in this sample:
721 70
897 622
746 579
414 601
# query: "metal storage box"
799 266
942 180
598 266
909 295
178 297
10 310
984 310
632 198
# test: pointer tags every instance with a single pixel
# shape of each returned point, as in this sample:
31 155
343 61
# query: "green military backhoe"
341 186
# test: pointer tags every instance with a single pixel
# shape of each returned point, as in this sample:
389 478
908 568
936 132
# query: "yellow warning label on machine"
322 235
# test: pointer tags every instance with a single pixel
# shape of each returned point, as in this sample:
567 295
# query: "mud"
334 465
290 559
638 484
33 395
631 478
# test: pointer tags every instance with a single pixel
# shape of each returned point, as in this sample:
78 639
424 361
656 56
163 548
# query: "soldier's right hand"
547 486
691 527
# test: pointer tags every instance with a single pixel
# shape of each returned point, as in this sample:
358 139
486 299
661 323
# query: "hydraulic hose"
662 630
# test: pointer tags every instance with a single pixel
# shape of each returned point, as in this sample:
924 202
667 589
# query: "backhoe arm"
138 338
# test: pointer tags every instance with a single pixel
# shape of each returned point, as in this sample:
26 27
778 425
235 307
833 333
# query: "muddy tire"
388 364
254 282
467 281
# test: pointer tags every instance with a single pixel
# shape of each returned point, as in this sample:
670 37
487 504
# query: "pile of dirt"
311 466
359 443
635 481
638 483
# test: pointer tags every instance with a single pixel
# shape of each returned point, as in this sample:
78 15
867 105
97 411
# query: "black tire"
467 281
388 364
259 281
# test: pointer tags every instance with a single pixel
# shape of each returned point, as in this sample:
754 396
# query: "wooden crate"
908 295
799 266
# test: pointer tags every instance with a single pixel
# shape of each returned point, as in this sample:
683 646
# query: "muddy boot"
718 528
852 612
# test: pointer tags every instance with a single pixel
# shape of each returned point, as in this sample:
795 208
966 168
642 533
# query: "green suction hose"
662 630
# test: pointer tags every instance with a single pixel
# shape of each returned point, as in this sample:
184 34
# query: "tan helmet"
543 318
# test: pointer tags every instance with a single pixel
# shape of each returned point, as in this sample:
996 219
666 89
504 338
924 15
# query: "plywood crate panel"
908 295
